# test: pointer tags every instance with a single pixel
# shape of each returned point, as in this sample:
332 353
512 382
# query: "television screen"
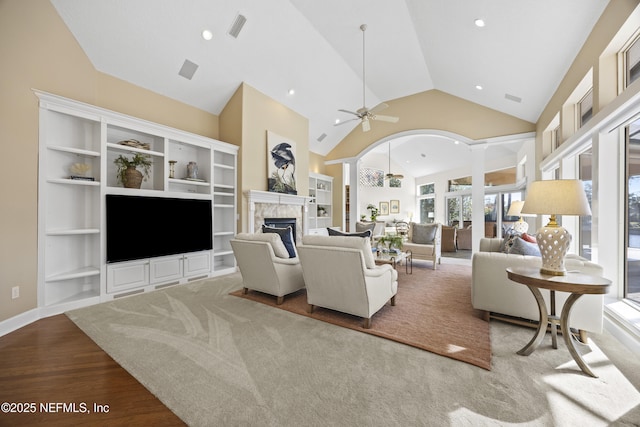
144 227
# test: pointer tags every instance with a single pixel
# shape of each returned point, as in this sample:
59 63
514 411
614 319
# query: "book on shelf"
82 178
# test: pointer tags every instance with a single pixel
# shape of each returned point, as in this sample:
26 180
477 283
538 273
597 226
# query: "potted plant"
128 173
393 241
374 212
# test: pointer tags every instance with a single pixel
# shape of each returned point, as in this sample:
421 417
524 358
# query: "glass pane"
453 210
584 241
507 199
632 283
490 208
426 189
427 210
466 208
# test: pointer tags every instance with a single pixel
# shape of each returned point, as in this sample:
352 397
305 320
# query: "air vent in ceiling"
237 25
513 98
321 137
188 69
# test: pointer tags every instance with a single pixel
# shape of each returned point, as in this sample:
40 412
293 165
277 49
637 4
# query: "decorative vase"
132 178
192 170
172 168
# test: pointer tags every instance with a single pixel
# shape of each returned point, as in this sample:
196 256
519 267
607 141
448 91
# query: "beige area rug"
215 359
433 312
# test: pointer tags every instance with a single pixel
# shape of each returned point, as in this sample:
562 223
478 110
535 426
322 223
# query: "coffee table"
396 258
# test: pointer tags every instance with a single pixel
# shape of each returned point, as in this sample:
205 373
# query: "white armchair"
265 265
340 274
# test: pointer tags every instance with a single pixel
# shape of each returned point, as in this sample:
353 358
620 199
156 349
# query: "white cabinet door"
127 275
197 263
166 269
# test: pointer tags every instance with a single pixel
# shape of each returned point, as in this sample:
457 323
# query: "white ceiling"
315 47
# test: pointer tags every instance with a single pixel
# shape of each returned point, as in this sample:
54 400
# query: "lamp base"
553 242
520 226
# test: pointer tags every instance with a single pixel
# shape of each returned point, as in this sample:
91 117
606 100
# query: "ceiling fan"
392 175
365 114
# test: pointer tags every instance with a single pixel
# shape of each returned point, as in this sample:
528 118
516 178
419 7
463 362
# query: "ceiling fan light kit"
392 175
364 114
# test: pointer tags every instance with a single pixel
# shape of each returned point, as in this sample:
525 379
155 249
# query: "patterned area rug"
433 312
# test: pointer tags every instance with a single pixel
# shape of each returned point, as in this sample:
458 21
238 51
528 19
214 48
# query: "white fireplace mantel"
269 197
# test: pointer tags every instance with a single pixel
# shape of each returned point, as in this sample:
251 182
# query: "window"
632 264
555 138
632 62
585 108
585 165
459 210
426 203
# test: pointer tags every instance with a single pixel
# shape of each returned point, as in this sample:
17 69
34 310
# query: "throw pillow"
522 247
529 238
286 235
273 239
423 233
332 232
361 226
509 238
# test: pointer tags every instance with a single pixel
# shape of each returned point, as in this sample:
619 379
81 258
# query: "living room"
41 53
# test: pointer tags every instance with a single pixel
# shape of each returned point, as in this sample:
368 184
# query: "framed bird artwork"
281 167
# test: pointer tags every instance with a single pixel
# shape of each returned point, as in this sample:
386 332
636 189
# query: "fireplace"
264 206
282 223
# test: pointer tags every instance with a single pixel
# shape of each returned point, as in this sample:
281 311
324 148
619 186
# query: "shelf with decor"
79 144
320 206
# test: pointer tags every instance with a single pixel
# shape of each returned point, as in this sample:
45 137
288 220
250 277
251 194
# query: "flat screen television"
144 227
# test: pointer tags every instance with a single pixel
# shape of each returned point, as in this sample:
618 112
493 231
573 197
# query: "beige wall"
433 109
259 115
589 58
37 51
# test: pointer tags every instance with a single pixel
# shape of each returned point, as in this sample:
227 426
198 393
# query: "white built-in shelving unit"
72 267
321 199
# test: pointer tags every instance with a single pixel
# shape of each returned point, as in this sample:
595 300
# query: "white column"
477 195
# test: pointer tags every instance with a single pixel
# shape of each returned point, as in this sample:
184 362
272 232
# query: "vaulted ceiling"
315 47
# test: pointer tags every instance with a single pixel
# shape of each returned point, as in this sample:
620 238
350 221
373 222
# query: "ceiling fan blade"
390 119
350 112
366 126
378 107
346 121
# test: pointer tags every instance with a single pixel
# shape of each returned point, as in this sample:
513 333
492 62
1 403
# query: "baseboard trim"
17 322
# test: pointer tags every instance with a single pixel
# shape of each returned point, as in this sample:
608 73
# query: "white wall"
441 180
368 195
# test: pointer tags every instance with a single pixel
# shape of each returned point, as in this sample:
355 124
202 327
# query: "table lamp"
555 197
514 210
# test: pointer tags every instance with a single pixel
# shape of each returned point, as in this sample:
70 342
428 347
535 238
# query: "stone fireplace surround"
266 204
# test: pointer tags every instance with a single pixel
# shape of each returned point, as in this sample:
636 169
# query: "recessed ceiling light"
478 87
456 142
291 92
207 35
479 22
337 121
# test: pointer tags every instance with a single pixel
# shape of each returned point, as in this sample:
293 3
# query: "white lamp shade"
515 208
556 197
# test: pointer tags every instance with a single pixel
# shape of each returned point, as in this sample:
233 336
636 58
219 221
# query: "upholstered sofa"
424 242
493 292
340 274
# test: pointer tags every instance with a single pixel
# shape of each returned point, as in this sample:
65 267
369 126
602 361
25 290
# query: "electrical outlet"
15 292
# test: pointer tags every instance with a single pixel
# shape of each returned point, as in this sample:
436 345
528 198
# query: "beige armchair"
340 274
425 242
265 265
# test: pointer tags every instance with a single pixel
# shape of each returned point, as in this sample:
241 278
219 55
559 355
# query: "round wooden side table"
577 284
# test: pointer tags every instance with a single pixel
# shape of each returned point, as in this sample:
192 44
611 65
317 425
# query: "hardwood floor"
52 363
